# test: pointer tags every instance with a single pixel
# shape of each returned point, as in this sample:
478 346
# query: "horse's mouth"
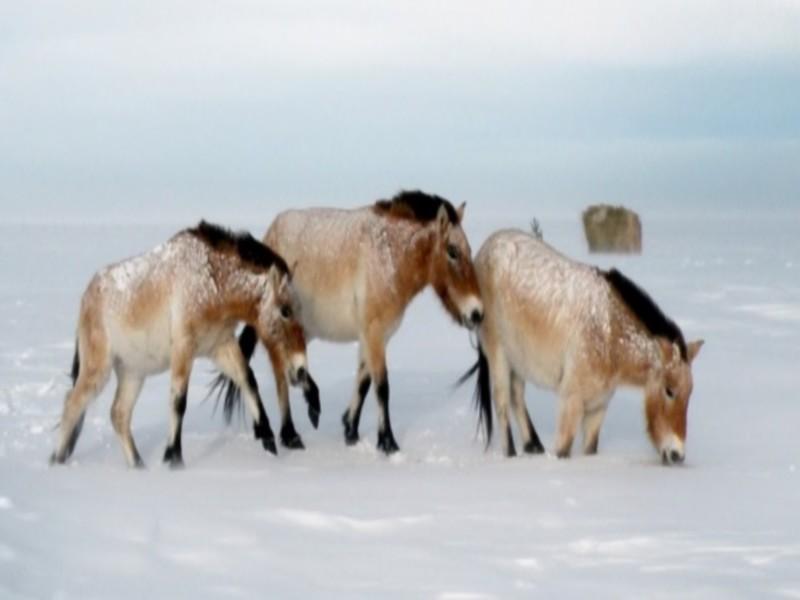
298 377
473 320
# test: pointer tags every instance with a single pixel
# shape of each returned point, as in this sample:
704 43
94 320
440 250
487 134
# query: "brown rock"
612 229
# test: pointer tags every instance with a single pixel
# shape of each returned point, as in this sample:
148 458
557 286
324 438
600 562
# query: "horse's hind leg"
92 377
500 373
352 416
532 443
128 388
289 436
181 366
230 360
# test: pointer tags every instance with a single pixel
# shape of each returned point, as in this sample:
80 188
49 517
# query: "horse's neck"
412 246
239 291
637 352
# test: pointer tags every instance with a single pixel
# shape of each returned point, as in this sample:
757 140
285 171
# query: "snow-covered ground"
443 519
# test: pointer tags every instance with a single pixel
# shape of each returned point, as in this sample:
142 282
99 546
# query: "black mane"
249 249
417 205
642 305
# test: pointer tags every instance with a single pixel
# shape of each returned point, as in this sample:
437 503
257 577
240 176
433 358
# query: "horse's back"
538 302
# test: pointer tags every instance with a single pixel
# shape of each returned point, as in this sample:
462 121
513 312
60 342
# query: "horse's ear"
693 349
275 276
443 219
460 211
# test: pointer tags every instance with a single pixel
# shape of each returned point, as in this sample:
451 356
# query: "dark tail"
76 431
227 390
483 393
76 365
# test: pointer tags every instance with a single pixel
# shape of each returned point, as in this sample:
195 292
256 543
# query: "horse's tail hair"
74 372
76 365
483 393
224 387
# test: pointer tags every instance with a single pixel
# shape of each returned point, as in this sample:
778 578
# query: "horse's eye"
670 393
286 311
452 252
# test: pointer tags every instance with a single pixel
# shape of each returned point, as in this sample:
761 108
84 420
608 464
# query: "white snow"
443 519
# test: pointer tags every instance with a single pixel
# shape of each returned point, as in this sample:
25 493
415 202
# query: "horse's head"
667 399
452 272
279 326
282 333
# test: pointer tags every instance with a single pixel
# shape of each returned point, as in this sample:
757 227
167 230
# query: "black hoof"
313 416
294 443
533 447
57 460
511 451
350 430
138 463
311 393
387 443
290 438
269 445
173 457
562 453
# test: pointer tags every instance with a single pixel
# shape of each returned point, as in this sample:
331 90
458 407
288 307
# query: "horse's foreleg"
289 436
532 443
128 388
181 366
376 363
230 360
352 416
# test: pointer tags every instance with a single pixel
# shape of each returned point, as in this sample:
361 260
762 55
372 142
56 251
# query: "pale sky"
180 109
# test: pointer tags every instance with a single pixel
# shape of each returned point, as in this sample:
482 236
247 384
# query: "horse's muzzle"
298 377
671 457
474 319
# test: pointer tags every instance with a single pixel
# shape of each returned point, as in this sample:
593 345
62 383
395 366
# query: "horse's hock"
612 229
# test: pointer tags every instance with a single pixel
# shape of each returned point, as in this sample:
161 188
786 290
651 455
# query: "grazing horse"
582 332
356 272
162 309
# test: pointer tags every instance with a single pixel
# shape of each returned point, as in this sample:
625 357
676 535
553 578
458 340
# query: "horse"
356 272
582 332
164 308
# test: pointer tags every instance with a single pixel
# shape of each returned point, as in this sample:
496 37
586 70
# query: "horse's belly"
330 318
534 362
146 351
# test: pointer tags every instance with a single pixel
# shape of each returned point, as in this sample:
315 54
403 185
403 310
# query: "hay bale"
612 229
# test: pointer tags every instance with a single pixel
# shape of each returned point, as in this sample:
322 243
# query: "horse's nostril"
675 456
476 317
